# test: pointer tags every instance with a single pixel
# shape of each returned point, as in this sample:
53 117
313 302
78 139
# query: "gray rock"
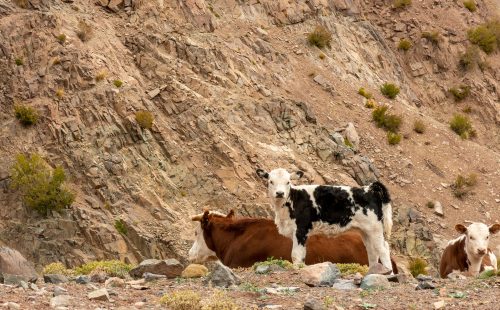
422 277
148 276
222 276
262 269
82 279
313 304
60 301
15 268
424 285
323 274
114 282
352 135
55 278
100 294
58 291
342 284
23 285
398 278
438 208
374 281
379 269
171 268
281 290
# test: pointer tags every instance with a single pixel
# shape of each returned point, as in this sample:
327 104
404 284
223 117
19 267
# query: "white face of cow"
477 237
199 252
278 183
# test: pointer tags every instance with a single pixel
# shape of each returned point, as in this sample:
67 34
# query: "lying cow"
304 210
470 251
241 242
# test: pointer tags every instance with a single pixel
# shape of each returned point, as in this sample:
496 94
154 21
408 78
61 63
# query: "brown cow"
470 251
241 242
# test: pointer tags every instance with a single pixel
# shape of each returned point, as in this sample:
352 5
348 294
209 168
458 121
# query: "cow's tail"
385 198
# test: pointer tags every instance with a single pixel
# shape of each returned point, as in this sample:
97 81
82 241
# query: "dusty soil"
470 293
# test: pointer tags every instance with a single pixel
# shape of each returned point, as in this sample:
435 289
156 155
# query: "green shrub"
113 268
463 184
467 109
120 226
85 31
460 93
389 90
470 58
118 83
433 36
470 5
60 93
348 269
484 36
348 143
430 204
370 104
320 37
419 126
273 261
462 126
405 44
19 61
42 188
57 268
101 75
393 138
26 115
144 119
322 56
401 3
417 266
389 122
61 38
364 93
182 300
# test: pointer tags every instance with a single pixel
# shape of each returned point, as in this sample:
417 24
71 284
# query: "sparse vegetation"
419 126
85 31
393 138
220 301
363 92
273 261
57 268
348 269
113 268
417 266
430 204
21 3
433 36
370 104
463 184
470 58
460 93
320 37
401 3
60 93
101 75
470 5
486 36
42 188
26 115
348 143
389 90
182 300
405 44
462 126
389 122
144 119
322 56
120 226
19 61
61 38
467 109
118 83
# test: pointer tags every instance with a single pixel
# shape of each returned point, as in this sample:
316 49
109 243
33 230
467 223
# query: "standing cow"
303 210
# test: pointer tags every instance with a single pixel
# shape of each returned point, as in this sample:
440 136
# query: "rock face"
323 274
222 276
15 268
170 268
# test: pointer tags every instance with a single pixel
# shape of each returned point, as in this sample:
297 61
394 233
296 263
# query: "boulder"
55 278
323 274
374 281
379 269
314 304
222 276
194 271
171 268
100 294
114 282
82 279
342 284
15 268
60 301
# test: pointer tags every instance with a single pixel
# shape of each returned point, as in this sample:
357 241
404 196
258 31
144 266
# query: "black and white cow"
303 210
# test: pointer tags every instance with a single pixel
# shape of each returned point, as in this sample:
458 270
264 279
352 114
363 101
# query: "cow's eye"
271 182
487 237
288 183
471 238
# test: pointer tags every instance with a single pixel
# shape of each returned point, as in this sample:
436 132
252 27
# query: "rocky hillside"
232 86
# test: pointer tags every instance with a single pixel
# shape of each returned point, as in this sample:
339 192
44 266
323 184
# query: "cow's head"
278 183
477 237
200 252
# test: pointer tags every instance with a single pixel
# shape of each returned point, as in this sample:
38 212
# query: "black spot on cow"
335 205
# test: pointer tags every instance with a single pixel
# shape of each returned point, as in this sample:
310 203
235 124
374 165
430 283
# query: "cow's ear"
296 175
494 228
230 214
204 218
196 218
262 174
461 228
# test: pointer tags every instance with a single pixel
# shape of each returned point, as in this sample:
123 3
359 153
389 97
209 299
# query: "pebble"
439 304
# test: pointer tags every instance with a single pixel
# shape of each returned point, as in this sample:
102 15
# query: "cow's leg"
370 250
299 247
385 254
